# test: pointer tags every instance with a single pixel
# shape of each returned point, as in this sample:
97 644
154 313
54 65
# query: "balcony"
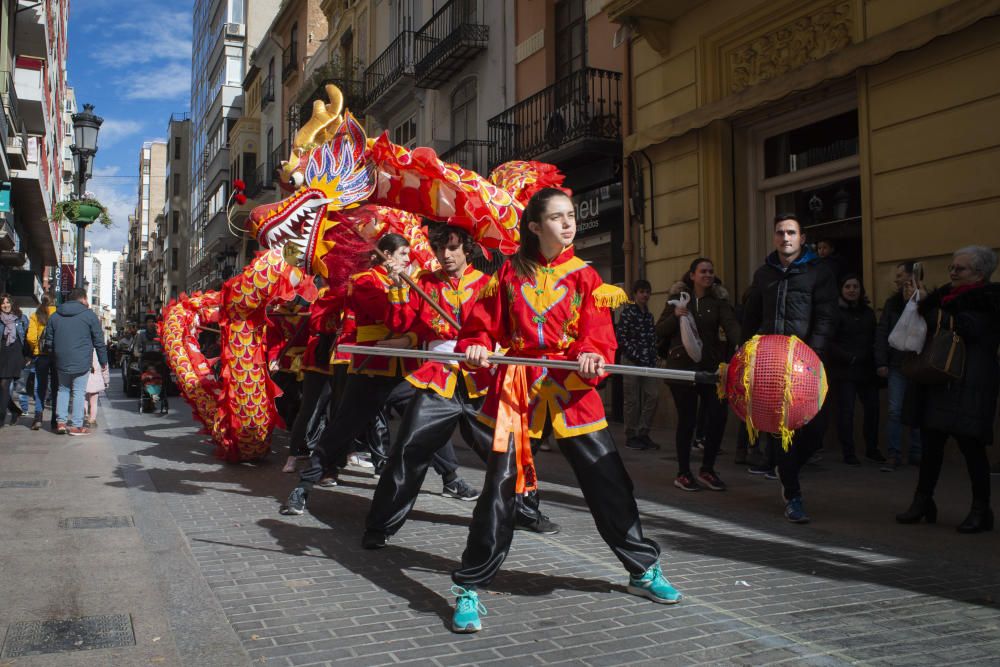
29 81
579 115
388 70
289 61
471 154
353 91
449 41
278 155
266 92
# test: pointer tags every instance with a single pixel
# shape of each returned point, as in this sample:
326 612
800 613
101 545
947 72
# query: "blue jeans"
897 389
71 387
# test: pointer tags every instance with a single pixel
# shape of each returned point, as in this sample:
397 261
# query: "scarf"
9 327
953 294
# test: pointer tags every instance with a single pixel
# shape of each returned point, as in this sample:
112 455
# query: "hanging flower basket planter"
81 212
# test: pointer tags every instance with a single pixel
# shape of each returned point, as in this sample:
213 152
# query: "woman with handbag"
13 334
888 361
953 401
710 308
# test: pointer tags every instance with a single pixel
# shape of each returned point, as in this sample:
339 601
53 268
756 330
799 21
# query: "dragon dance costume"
447 397
369 379
559 313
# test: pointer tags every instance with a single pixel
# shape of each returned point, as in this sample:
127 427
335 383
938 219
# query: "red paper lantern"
775 384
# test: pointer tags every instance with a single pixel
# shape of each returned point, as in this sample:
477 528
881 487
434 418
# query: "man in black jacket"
793 294
73 334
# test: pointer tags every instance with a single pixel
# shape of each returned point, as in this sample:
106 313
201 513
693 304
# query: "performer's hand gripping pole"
699 377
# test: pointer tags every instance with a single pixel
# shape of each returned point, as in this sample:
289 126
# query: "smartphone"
918 272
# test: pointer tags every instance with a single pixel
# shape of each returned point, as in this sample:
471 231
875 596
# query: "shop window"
817 143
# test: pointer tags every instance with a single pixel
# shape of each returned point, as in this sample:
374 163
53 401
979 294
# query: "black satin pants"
427 426
360 402
606 488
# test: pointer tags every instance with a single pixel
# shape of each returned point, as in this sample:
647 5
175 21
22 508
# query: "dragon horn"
321 126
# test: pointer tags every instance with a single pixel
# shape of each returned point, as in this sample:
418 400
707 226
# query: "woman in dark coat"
13 331
711 309
888 362
963 409
852 369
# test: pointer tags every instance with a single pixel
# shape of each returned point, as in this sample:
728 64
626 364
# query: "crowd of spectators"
814 294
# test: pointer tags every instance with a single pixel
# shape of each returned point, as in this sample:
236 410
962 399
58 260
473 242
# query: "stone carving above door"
794 44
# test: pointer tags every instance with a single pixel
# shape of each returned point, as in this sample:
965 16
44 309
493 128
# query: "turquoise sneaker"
467 610
653 585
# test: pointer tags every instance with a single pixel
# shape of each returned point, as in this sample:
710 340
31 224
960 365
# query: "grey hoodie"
73 334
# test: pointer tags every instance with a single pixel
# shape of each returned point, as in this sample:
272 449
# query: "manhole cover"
96 522
23 483
77 634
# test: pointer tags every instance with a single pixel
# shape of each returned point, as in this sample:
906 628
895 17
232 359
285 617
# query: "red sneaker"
61 428
79 430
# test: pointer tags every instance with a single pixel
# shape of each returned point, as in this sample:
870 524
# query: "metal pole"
699 377
80 230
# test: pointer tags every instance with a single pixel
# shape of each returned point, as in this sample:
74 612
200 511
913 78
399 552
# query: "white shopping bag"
689 331
910 331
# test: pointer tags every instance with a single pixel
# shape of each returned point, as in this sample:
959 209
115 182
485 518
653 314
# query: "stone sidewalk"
208 573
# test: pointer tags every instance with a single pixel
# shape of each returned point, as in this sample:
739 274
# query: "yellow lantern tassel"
749 357
786 404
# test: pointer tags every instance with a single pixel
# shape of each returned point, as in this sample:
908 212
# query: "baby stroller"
153 396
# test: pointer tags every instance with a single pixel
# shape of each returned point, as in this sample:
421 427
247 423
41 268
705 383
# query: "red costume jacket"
560 313
324 320
410 312
368 301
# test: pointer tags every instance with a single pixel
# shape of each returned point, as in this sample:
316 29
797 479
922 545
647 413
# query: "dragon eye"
297 179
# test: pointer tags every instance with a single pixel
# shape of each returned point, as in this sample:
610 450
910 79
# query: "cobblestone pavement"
853 587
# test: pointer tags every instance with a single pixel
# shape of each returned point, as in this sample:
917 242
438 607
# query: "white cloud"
168 82
120 200
110 170
146 35
113 130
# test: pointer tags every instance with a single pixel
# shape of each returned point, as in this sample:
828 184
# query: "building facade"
225 33
176 209
871 120
33 49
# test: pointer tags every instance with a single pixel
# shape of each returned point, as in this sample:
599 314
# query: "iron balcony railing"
289 61
471 154
294 120
353 91
584 105
448 42
392 65
267 91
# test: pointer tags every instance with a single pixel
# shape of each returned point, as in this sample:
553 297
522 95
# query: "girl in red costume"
547 303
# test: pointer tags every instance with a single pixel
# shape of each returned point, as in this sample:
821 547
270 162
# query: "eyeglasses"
957 268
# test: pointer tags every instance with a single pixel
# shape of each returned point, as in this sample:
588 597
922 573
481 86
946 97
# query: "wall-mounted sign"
598 210
5 197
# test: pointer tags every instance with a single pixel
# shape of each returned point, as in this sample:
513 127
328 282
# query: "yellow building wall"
933 141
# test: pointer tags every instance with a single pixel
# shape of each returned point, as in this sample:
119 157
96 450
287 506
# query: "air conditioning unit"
235 30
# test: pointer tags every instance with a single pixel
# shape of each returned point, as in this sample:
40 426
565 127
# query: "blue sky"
131 59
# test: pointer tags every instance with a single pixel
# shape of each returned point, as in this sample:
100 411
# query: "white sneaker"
290 464
360 461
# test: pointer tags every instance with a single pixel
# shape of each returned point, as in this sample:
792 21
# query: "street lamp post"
85 128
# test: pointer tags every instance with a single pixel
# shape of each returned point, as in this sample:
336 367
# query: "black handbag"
941 361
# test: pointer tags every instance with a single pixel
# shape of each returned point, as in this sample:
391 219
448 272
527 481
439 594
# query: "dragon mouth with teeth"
292 225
